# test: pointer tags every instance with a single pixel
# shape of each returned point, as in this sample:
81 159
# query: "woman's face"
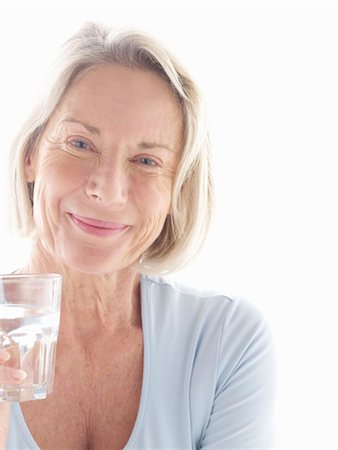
104 169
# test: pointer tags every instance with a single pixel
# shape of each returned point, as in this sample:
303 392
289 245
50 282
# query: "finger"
4 355
11 376
14 353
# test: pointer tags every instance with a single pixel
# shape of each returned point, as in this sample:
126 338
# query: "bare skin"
11 376
117 166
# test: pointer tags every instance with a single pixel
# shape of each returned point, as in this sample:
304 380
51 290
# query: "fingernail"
19 375
5 356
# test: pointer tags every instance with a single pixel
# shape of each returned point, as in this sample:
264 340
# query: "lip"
97 227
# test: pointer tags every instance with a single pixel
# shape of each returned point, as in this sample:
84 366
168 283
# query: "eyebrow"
142 145
151 145
90 128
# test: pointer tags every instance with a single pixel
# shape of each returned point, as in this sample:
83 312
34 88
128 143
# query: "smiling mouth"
97 227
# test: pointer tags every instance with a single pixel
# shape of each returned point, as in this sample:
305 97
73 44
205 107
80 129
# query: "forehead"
112 79
114 97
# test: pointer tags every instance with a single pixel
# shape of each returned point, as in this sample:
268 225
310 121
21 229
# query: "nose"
107 183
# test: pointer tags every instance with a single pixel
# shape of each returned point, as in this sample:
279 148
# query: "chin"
94 262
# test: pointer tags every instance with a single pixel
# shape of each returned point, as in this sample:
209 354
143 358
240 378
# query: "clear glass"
29 325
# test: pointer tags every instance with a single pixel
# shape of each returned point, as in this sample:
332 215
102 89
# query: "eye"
145 161
79 144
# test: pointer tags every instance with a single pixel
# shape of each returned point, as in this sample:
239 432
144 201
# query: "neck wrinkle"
93 304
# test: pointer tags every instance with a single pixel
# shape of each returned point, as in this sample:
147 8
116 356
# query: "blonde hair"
192 197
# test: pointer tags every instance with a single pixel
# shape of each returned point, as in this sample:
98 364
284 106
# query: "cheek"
58 178
57 181
153 197
64 172
153 204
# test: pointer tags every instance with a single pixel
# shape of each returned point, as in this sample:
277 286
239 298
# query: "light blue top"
209 375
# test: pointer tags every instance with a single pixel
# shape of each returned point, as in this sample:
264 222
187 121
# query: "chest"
94 403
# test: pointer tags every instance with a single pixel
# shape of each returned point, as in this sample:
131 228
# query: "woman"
112 180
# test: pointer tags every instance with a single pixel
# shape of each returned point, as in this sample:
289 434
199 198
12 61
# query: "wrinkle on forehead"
142 104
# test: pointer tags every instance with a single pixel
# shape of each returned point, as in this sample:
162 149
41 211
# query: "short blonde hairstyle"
192 196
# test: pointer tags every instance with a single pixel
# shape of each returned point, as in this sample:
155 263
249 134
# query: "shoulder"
234 320
224 341
174 291
232 311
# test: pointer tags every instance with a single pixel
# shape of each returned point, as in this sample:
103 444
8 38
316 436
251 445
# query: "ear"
30 167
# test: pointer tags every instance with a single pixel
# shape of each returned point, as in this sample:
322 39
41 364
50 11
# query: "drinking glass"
29 324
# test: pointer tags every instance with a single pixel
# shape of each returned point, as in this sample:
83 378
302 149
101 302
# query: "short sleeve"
243 411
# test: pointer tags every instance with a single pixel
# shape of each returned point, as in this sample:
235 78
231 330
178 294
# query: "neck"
91 305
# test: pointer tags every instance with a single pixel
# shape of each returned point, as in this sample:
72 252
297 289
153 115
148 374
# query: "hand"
4 421
8 373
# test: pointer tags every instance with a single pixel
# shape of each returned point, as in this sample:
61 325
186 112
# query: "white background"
268 71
